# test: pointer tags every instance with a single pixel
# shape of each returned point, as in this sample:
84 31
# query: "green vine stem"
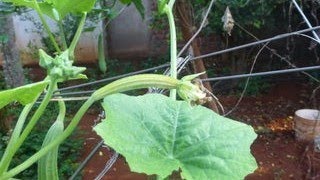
136 82
171 3
7 159
121 85
15 134
76 37
46 26
62 35
173 45
61 105
62 111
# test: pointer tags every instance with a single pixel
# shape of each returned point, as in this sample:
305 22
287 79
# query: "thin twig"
199 30
247 81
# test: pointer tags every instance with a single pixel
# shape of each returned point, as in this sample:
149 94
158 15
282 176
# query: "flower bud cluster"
60 67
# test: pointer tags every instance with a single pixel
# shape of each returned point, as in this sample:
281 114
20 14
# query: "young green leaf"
45 7
24 94
161 5
72 6
125 1
45 61
62 7
162 135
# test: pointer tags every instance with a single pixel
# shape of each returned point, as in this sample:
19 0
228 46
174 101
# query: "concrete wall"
128 37
28 39
129 34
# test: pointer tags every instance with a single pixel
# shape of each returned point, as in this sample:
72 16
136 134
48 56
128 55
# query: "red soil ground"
278 154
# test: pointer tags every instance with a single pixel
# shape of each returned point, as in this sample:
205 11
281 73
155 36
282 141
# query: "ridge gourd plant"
162 134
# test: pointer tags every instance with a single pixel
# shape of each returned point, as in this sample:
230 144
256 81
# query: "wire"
108 165
306 20
267 73
280 36
86 160
278 55
113 78
195 58
247 81
75 93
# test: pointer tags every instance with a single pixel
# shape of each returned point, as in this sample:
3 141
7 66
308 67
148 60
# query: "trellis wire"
108 165
86 160
277 54
281 36
255 59
247 81
306 20
277 37
266 73
114 78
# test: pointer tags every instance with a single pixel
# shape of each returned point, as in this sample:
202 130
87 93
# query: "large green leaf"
24 94
63 7
158 135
